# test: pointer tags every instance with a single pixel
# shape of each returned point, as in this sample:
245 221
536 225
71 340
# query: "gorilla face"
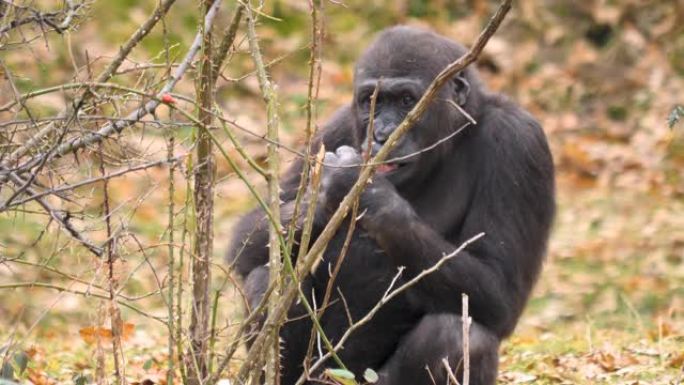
396 97
403 77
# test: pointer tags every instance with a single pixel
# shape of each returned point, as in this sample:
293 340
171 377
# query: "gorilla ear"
461 89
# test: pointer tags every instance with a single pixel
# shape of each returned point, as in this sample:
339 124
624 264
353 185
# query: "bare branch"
144 29
466 320
119 125
268 90
365 319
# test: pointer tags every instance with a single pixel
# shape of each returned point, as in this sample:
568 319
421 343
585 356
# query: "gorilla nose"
375 147
382 132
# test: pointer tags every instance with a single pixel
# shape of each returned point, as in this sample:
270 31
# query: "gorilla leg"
255 286
435 337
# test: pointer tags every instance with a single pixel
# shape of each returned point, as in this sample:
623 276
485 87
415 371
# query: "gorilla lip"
386 167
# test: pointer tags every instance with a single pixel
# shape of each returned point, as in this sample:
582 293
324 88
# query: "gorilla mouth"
387 167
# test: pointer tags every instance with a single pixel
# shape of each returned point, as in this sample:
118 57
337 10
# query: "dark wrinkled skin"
495 177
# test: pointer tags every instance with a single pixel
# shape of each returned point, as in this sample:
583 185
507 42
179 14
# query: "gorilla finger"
345 151
348 155
331 159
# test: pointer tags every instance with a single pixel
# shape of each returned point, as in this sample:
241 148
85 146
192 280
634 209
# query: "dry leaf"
90 334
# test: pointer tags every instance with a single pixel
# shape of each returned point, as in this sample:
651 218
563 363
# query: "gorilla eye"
365 100
407 100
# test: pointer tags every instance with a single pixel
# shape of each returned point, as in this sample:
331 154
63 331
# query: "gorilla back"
447 180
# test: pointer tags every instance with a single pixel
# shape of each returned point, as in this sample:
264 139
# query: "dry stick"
12 85
71 12
38 17
268 90
172 261
119 125
84 117
75 85
241 149
275 231
389 295
118 87
290 292
310 130
100 363
47 18
466 320
170 227
311 210
68 187
312 93
306 235
181 260
450 372
227 41
212 330
105 132
352 222
70 277
144 29
408 122
432 378
114 314
204 201
63 220
83 293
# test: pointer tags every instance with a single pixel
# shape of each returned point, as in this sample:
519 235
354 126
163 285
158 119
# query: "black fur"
495 177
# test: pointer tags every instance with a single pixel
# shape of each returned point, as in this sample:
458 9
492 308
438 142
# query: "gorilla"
440 188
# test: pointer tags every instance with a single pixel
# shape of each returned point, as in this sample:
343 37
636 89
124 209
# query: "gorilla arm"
512 203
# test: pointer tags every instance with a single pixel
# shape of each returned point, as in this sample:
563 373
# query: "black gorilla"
495 177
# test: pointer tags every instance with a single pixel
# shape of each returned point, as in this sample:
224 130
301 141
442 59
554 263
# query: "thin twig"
268 90
86 293
450 372
311 127
68 187
114 313
365 319
62 219
144 29
466 320
227 41
203 193
119 125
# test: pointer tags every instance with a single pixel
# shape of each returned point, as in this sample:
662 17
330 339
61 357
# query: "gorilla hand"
340 172
379 202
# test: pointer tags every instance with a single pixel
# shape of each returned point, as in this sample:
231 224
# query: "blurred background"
604 77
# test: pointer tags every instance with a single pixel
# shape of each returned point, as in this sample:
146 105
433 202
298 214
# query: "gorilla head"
406 60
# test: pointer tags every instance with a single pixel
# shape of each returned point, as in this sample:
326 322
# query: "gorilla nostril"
380 134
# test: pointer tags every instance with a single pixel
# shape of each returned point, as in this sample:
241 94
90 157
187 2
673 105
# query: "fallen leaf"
90 334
